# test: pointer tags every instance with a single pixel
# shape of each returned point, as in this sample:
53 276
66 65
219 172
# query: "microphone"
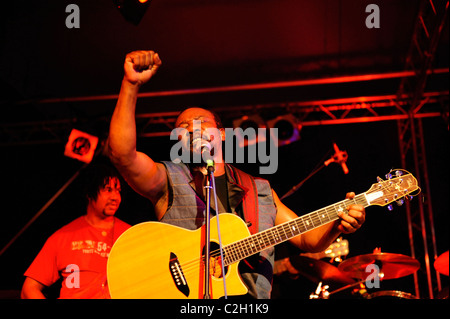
200 146
204 148
339 157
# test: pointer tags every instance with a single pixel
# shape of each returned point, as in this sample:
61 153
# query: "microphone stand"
210 176
339 157
211 184
296 187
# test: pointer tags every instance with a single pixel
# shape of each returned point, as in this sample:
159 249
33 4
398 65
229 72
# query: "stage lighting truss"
249 133
288 129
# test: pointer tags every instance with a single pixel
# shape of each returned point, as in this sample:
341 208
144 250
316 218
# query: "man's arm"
320 238
32 289
144 175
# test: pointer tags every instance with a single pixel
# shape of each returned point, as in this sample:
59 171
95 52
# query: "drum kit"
359 273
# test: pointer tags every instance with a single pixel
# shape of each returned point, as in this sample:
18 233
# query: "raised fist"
140 66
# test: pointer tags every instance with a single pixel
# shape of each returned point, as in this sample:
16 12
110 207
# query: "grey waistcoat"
187 209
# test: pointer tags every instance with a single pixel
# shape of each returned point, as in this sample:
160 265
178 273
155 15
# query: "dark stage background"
208 44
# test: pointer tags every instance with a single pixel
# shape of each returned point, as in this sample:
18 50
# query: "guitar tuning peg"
390 207
388 176
400 202
398 173
379 179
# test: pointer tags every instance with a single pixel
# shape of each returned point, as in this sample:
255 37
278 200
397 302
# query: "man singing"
177 189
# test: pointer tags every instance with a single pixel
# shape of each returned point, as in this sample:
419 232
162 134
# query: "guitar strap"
250 200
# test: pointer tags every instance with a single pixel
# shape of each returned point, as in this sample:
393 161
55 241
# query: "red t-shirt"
78 252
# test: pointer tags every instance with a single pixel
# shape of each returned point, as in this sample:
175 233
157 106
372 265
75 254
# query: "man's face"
204 127
108 199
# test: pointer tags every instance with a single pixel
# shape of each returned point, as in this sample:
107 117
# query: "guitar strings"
246 247
268 238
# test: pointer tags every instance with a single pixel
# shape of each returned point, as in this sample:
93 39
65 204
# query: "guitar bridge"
177 275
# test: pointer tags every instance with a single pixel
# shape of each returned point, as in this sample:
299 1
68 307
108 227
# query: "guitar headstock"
393 188
337 249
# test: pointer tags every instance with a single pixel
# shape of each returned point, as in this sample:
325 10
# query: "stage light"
288 129
81 146
249 133
132 10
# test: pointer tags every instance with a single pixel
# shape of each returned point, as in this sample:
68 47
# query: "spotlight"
288 129
249 137
132 10
81 146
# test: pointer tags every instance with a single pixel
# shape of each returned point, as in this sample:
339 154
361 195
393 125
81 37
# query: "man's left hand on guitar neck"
318 239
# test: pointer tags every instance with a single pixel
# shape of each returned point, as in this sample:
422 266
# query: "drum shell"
390 294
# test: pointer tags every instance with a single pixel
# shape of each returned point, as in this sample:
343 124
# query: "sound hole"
215 263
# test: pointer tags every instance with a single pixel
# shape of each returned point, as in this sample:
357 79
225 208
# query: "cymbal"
319 270
441 264
391 265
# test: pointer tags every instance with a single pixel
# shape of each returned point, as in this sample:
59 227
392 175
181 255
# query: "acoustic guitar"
161 261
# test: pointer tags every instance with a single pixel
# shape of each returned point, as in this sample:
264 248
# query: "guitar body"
147 258
161 261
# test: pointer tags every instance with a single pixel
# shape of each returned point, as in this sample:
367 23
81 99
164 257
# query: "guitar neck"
273 236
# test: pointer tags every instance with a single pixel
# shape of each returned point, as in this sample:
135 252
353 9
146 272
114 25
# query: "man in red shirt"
78 252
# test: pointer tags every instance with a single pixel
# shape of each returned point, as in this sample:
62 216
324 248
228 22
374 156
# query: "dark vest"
187 209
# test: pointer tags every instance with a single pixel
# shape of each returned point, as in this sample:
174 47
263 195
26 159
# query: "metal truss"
33 133
359 109
432 17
